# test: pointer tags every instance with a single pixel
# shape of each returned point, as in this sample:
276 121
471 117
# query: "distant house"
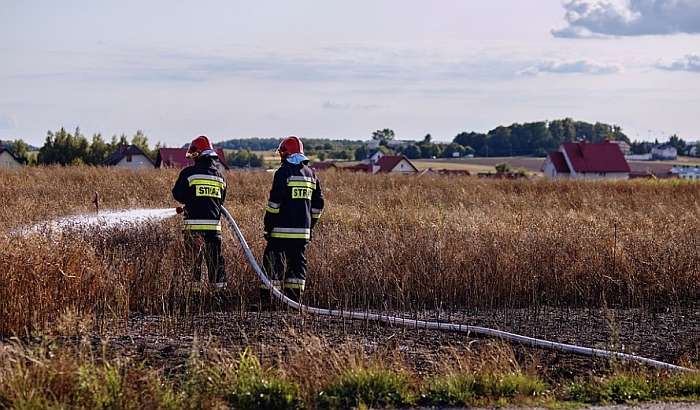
664 152
394 144
177 158
586 160
445 172
624 147
686 171
652 175
128 156
555 166
9 160
373 156
394 164
358 168
691 149
502 175
323 166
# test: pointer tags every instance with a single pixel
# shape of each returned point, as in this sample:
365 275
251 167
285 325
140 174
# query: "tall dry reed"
384 242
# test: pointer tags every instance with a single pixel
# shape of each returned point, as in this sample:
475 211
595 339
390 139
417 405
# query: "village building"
394 164
323 166
445 172
177 158
652 175
624 147
691 149
9 160
686 171
665 152
586 160
128 156
373 156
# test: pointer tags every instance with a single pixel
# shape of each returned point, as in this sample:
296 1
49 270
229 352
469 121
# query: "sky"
344 69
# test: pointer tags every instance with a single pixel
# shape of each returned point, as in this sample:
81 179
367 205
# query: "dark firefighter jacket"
295 204
202 189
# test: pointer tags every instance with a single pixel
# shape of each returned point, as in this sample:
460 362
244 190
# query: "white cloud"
571 66
690 62
596 18
329 105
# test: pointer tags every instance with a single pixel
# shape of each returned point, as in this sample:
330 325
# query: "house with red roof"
592 160
393 164
358 168
446 172
177 158
323 166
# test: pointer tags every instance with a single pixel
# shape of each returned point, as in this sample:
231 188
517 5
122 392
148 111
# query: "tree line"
527 139
533 139
63 148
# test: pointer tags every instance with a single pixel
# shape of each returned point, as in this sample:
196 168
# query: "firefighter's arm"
317 203
180 189
223 191
274 203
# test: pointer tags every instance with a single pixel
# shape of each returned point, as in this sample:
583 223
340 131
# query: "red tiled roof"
652 175
322 166
589 157
558 161
177 158
358 168
453 172
388 162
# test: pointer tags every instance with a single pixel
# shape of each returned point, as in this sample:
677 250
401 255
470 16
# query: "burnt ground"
671 336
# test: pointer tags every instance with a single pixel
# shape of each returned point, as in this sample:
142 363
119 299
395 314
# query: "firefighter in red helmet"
202 189
294 206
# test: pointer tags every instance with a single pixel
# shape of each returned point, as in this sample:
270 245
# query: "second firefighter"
294 206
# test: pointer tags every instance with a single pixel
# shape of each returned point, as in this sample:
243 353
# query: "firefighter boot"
265 302
293 294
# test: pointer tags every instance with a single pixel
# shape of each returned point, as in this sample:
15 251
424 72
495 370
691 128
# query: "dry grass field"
534 165
600 264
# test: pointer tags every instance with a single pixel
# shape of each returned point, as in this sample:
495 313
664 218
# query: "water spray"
439 325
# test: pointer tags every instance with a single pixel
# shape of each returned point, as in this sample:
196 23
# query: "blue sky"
342 70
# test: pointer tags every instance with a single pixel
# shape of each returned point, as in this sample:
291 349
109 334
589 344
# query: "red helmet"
201 147
289 146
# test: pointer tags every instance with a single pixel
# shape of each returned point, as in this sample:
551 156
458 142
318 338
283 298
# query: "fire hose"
512 337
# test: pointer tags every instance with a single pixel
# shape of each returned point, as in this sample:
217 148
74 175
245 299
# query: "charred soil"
166 343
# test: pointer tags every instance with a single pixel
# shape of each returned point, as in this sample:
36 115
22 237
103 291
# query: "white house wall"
605 175
403 166
137 161
8 161
550 171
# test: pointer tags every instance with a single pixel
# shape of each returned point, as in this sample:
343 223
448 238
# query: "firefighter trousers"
284 262
205 247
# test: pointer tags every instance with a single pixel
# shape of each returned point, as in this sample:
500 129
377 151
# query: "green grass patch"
465 390
367 387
